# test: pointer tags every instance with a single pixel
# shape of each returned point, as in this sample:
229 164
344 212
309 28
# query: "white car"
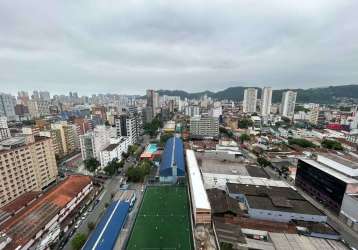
78 223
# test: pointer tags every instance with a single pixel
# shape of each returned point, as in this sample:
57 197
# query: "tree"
78 241
301 142
107 123
228 133
151 128
244 123
91 226
91 164
164 137
331 144
244 137
137 174
113 166
263 162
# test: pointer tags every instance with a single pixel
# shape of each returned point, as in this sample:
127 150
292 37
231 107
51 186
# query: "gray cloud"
127 46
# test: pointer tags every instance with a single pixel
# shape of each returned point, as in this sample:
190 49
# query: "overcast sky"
122 46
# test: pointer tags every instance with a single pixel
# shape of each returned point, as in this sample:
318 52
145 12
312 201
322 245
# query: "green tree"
332 144
91 226
263 162
91 164
78 241
164 137
301 142
113 166
138 173
151 128
227 132
244 137
226 246
244 123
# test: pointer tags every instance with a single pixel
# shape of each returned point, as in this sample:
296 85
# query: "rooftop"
105 235
111 147
173 154
26 224
199 195
348 160
222 203
219 180
295 241
283 199
330 171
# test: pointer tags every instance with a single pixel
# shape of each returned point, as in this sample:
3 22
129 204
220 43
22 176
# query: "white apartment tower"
288 103
266 98
250 99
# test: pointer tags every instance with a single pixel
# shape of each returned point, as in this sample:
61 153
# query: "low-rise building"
200 202
25 229
282 204
114 151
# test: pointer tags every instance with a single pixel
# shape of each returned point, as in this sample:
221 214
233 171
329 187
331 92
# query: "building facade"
204 127
288 103
7 106
26 164
266 98
250 100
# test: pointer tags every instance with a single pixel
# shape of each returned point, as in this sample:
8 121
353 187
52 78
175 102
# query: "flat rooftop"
295 241
219 181
330 171
218 166
284 199
347 160
26 224
110 147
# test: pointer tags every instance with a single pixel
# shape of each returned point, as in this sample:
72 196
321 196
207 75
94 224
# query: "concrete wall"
349 212
284 216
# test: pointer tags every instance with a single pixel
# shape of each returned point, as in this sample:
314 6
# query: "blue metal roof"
173 154
105 235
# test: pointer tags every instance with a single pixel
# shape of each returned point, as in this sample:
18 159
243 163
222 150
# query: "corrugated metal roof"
173 154
199 195
105 235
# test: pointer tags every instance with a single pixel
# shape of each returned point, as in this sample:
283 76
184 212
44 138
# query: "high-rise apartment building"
153 101
288 103
250 99
23 97
27 163
65 138
87 145
204 127
192 110
7 106
128 125
4 129
45 95
38 108
266 98
102 138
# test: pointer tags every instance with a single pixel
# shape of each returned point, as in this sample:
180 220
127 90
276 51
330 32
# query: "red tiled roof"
27 223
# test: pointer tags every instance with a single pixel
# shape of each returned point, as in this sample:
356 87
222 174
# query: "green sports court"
163 220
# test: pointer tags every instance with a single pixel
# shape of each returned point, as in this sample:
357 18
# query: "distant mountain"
324 95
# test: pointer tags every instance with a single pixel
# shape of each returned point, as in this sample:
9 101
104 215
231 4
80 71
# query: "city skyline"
126 47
